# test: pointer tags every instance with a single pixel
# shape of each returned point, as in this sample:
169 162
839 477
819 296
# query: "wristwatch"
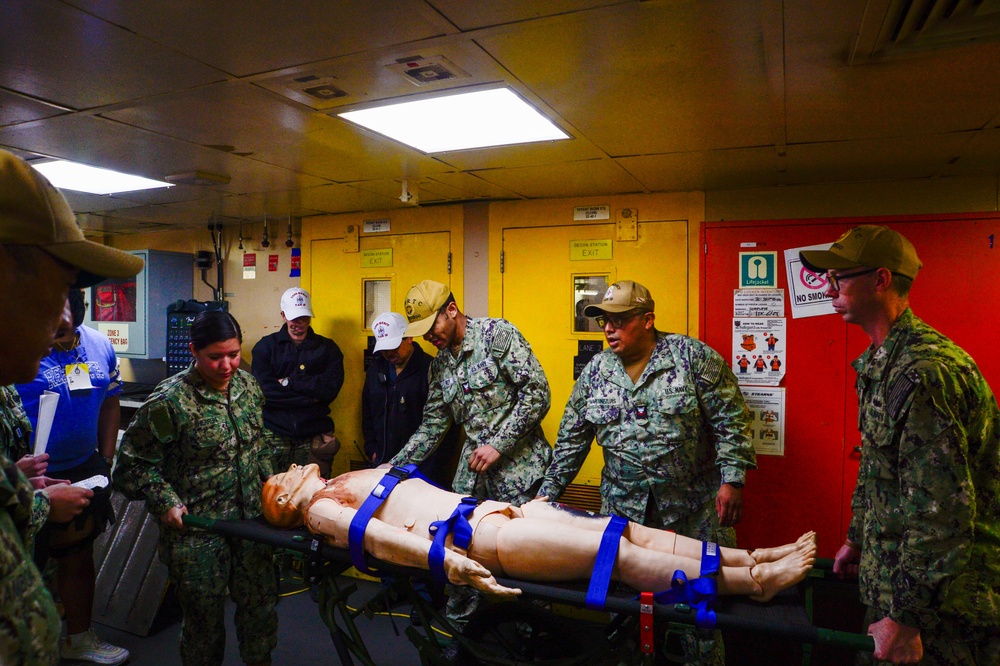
735 484
283 381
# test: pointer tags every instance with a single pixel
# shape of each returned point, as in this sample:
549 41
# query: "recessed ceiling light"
82 178
495 117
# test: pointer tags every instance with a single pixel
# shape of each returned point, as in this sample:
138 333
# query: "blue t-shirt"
74 429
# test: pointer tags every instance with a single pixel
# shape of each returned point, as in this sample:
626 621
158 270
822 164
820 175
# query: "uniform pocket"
675 418
486 392
208 434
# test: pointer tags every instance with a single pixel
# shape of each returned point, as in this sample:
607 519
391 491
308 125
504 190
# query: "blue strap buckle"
456 524
356 532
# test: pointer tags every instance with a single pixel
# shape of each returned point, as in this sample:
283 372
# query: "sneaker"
88 647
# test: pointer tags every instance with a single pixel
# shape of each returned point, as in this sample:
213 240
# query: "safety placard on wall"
758 269
117 333
767 419
806 290
758 302
249 266
759 350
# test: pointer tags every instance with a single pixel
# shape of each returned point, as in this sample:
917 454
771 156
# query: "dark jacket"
391 412
315 372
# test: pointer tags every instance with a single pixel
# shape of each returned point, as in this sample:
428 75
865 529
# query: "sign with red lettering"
249 266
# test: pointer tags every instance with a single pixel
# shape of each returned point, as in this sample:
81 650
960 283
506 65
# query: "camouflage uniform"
29 623
190 444
669 440
658 434
15 427
497 391
927 502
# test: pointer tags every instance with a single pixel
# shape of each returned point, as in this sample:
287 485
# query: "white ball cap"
295 303
388 328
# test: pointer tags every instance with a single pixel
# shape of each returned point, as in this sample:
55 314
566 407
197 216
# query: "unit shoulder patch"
160 423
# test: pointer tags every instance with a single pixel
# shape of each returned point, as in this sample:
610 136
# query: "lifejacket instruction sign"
759 350
806 290
758 269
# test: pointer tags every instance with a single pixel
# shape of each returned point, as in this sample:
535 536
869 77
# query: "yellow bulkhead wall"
337 253
535 289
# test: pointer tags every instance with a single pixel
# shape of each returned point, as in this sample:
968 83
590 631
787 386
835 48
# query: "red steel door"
957 292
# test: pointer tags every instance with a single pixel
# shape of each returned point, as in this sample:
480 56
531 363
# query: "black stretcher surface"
785 615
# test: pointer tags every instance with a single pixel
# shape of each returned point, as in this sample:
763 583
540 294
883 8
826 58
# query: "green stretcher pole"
198 521
843 639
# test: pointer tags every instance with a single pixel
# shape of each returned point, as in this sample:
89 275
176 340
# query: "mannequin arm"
398 546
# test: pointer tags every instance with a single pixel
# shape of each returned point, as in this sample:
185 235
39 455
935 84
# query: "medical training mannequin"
539 541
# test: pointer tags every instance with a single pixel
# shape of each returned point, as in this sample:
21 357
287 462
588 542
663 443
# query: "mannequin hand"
470 572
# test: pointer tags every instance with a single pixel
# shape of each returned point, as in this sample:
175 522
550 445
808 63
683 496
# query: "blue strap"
356 532
700 593
456 524
711 558
600 577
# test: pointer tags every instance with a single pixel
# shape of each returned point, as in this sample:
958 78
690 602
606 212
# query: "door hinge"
706 249
449 263
501 261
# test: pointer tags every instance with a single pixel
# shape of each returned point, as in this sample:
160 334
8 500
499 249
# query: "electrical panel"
130 310
179 318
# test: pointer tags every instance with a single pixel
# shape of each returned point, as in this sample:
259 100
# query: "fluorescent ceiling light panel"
495 117
82 178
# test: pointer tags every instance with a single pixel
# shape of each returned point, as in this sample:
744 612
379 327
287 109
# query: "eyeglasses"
835 280
616 320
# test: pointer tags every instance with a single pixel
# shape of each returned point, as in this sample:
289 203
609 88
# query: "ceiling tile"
591 177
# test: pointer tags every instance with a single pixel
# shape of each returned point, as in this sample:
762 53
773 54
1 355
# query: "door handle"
857 449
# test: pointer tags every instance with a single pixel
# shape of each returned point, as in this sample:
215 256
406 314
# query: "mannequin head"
286 495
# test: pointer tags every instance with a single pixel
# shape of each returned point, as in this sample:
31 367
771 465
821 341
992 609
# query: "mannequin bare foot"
804 542
773 577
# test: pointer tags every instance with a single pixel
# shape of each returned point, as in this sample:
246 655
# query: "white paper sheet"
46 413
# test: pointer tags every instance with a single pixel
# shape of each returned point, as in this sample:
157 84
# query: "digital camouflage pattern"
29 623
203 567
188 444
675 435
927 501
497 391
15 427
191 444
